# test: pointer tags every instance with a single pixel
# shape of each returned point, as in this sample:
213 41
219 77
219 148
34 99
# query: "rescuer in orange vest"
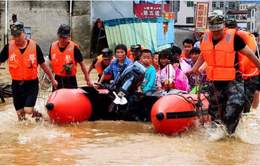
249 71
226 88
101 62
23 56
64 56
134 52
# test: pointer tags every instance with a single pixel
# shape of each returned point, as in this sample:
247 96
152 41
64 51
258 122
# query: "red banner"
201 16
149 10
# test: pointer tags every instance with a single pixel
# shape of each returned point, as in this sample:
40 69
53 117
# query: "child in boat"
195 52
166 75
184 66
155 61
148 85
181 80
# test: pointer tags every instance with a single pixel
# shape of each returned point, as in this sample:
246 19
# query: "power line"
131 26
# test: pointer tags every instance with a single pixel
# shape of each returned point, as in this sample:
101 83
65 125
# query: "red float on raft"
68 105
174 113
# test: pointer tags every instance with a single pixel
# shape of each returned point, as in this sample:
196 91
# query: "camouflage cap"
231 23
216 21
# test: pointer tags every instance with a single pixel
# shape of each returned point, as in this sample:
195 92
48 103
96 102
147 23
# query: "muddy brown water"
119 142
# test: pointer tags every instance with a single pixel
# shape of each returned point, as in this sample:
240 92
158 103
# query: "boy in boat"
187 46
148 85
195 53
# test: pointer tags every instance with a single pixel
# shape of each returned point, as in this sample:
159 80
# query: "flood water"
119 142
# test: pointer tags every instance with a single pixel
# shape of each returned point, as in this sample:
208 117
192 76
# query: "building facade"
251 17
42 19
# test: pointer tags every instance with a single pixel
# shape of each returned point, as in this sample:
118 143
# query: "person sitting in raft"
184 66
181 80
166 75
155 61
187 46
195 52
148 85
116 65
101 63
134 52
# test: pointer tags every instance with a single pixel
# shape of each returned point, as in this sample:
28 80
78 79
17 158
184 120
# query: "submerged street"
119 142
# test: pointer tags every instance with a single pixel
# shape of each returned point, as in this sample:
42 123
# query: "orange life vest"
98 66
248 69
183 54
58 59
23 66
221 57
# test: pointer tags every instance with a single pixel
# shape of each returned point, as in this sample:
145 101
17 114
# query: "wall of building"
81 26
181 34
2 24
44 18
257 14
183 13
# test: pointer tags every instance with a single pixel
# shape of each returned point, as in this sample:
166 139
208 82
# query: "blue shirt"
149 80
114 67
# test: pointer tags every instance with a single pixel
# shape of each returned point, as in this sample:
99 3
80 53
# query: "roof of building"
237 12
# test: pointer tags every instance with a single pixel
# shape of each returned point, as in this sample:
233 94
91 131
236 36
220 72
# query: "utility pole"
70 18
5 33
162 9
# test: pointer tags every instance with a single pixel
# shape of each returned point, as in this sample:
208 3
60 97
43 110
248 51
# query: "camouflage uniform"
250 88
228 96
251 82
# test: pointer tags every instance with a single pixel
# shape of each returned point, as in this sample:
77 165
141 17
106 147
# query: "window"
231 16
28 32
189 20
214 4
221 4
252 26
189 3
249 13
253 13
232 5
